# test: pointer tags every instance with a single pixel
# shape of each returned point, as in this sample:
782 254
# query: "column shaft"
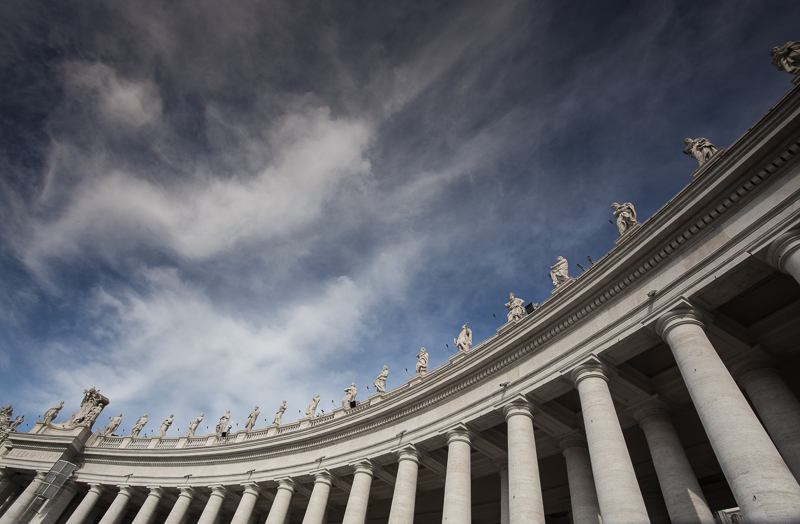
20 506
87 505
405 487
54 507
179 511
524 487
761 482
618 492
215 500
315 511
504 518
280 506
116 511
246 504
457 507
148 509
356 511
582 493
779 410
682 494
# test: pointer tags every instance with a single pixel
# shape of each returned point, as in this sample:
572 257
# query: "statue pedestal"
339 412
374 399
627 234
700 171
415 380
563 286
458 356
305 422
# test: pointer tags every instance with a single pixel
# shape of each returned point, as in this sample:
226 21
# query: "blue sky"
209 206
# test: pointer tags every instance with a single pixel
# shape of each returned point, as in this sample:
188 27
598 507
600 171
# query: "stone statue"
279 415
193 425
464 340
787 57
6 412
162 431
14 425
422 362
223 422
311 410
515 307
625 215
700 149
350 395
252 419
560 271
91 406
92 416
380 382
137 428
51 414
113 425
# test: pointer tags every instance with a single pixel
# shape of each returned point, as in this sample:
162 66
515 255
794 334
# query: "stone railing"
287 428
196 442
260 433
321 420
228 439
110 442
167 443
139 443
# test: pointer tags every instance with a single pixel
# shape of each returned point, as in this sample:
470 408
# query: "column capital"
322 476
286 483
780 249
458 433
157 491
573 439
252 488
518 405
125 490
363 466
651 407
593 367
407 452
754 360
97 488
684 313
219 491
187 491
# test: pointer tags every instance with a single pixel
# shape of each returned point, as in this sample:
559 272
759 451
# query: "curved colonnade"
667 338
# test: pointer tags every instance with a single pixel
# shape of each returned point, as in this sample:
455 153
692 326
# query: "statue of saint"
14 425
193 425
625 215
223 423
252 419
700 149
91 406
311 410
279 415
137 428
422 362
560 271
380 382
787 57
51 414
113 425
6 412
464 340
162 431
350 395
515 307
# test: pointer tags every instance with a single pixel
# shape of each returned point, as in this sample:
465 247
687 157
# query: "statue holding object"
464 340
515 307
279 414
701 149
625 215
380 382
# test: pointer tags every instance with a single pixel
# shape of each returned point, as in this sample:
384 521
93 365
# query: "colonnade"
757 460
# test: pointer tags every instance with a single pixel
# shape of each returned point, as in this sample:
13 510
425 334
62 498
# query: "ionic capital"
363 466
783 246
592 368
680 316
519 405
322 476
408 452
286 483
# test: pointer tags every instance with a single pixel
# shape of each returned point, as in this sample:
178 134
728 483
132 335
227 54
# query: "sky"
216 205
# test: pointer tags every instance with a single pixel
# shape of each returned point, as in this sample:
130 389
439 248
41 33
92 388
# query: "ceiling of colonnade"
210 207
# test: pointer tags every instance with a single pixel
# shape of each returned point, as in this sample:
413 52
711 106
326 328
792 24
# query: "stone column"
775 404
682 494
116 511
618 492
315 511
582 493
11 497
20 506
7 486
148 509
246 504
504 518
53 508
356 511
87 505
179 511
215 500
524 487
280 506
457 508
405 487
784 254
761 482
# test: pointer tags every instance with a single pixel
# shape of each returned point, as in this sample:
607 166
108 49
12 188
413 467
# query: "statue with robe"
112 426
51 414
140 424
560 271
279 414
222 425
350 395
515 307
6 412
14 425
625 215
311 410
162 431
701 149
464 340
422 362
380 382
787 57
91 406
252 419
193 425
